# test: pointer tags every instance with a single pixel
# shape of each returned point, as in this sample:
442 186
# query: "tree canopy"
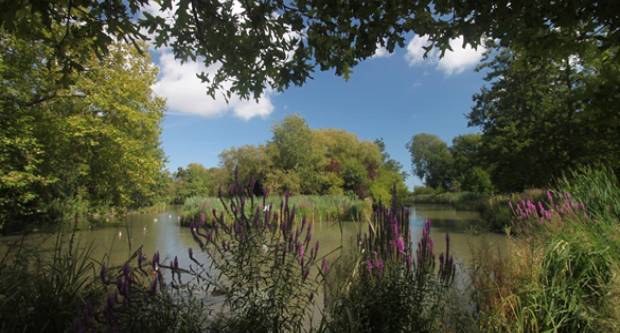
541 117
250 46
301 160
95 144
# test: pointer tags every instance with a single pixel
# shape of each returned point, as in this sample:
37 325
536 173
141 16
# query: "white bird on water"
155 220
120 234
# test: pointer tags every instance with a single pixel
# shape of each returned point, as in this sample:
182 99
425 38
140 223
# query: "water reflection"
161 232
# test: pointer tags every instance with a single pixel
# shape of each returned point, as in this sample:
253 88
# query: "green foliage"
431 160
477 180
560 275
46 290
596 188
315 208
537 114
572 288
95 141
299 160
196 180
291 40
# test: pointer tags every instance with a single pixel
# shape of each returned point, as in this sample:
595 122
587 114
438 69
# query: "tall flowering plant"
257 264
555 209
260 259
396 286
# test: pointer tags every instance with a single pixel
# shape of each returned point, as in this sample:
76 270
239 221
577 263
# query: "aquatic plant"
263 256
393 287
315 208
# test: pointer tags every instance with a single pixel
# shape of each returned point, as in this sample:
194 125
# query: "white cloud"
453 62
185 93
381 52
415 50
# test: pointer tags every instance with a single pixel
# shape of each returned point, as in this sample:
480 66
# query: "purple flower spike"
379 264
325 266
300 252
369 265
400 245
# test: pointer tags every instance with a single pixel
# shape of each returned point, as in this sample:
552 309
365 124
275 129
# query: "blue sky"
390 96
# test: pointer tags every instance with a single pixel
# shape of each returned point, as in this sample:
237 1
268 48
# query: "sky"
390 96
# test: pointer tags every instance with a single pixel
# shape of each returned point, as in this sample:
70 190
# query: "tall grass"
46 291
315 208
561 274
598 189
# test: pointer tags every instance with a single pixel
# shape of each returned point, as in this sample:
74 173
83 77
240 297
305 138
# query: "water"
161 232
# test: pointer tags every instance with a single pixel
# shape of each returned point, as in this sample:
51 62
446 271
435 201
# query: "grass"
493 209
561 274
315 208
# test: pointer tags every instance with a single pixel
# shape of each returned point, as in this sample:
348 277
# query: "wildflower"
325 266
300 251
379 265
400 245
369 265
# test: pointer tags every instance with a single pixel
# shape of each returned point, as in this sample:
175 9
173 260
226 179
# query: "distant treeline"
298 160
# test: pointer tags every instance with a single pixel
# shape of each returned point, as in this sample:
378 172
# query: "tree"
250 163
252 45
291 145
94 145
467 167
431 159
541 117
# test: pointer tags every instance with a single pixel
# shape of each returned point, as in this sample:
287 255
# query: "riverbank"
560 273
315 208
494 209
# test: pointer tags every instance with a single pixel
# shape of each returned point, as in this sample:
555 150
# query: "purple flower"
325 266
400 245
369 265
379 265
300 251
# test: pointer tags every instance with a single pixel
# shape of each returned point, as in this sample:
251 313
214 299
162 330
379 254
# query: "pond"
161 232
